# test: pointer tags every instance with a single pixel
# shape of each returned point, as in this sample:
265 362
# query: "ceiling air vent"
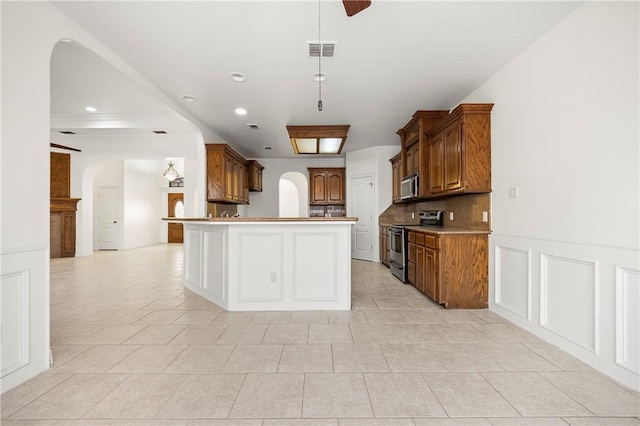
159 132
67 132
327 49
252 126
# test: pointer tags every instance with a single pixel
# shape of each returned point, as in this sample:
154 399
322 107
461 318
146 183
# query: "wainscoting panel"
260 281
192 251
628 319
214 269
513 280
15 321
584 298
315 277
564 279
24 286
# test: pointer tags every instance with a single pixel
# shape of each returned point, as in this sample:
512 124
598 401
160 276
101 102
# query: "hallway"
132 347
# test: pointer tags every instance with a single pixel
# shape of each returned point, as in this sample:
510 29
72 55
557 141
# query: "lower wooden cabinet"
451 269
384 245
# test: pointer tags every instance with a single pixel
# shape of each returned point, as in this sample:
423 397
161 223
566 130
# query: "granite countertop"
261 219
440 230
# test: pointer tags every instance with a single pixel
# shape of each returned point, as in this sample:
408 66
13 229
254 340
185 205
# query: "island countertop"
260 219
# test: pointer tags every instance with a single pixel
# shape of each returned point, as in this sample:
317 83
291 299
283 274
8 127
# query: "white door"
362 208
108 219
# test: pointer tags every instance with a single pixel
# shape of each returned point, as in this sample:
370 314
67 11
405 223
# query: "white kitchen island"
266 264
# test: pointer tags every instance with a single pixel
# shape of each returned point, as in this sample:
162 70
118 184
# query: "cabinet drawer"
430 241
412 237
412 253
420 239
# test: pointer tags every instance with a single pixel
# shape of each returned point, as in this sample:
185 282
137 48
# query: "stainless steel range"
398 244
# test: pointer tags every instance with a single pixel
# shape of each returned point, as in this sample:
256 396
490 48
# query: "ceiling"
391 59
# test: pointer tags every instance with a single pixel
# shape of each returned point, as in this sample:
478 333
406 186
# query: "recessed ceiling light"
66 40
241 111
238 76
90 109
319 76
189 98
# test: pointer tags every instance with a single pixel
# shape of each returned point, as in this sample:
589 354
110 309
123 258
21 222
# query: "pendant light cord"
319 63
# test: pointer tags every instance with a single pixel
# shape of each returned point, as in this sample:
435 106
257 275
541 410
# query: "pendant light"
319 63
171 174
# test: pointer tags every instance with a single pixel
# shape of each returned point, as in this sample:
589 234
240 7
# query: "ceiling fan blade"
354 6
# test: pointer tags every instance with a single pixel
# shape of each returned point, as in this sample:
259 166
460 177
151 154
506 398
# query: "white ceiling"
391 59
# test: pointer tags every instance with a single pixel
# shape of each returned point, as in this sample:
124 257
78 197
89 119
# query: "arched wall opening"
293 195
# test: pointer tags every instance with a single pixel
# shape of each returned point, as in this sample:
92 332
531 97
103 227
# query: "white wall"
29 32
266 203
373 162
565 131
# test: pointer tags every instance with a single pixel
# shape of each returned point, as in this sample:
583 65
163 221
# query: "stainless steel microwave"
409 187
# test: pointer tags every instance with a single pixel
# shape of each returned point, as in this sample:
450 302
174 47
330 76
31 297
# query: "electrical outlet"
513 192
413 215
485 216
450 215
274 277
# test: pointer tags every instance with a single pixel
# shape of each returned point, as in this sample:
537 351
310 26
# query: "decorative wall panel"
214 269
261 279
627 319
315 277
561 281
513 280
15 321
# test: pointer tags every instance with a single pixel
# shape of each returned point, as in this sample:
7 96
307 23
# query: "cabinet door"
436 163
420 268
416 158
408 161
431 274
396 175
453 156
336 187
318 191
228 177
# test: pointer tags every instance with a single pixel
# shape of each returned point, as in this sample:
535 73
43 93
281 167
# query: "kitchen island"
284 264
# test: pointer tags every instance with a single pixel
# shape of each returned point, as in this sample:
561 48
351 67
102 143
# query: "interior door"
362 208
108 227
176 209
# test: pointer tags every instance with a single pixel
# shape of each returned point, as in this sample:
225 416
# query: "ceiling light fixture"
171 174
238 76
189 98
241 111
319 76
91 109
318 139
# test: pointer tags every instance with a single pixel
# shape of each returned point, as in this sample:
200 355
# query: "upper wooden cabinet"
326 186
396 170
254 173
460 152
226 175
451 152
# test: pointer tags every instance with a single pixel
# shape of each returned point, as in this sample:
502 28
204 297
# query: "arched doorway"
293 195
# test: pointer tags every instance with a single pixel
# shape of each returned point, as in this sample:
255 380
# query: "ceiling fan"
354 6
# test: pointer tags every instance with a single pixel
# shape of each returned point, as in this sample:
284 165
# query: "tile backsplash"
467 211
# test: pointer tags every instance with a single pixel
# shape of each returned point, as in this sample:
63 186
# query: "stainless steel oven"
398 251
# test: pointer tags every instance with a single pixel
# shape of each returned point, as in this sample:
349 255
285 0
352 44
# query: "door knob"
115 221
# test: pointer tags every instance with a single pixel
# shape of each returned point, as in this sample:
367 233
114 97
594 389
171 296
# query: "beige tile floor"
132 347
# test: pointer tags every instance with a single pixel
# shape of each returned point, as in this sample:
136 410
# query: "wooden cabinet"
254 173
226 175
396 170
451 152
460 152
62 231
451 269
384 245
326 186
